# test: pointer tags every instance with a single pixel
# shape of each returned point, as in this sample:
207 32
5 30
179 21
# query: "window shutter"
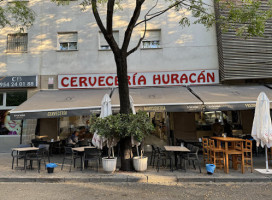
103 42
67 37
152 35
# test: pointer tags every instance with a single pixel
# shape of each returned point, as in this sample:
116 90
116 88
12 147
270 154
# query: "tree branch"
141 39
110 8
132 23
108 35
159 13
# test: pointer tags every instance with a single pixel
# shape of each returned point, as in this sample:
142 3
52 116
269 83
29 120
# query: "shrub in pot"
115 127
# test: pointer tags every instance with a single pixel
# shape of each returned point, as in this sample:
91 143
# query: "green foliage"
16 14
122 125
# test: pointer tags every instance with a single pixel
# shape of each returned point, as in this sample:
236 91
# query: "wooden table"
176 149
228 151
81 151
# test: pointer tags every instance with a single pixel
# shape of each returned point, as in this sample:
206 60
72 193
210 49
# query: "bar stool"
217 155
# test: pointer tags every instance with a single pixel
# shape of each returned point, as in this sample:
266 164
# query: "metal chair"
19 155
192 156
38 157
92 154
69 154
154 154
46 148
162 158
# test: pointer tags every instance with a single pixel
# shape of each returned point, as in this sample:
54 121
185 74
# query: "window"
103 44
12 98
152 39
17 43
67 41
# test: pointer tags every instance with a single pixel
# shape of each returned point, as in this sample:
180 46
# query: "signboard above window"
151 79
18 81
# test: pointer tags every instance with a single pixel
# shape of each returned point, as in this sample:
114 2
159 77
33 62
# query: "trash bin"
210 168
50 167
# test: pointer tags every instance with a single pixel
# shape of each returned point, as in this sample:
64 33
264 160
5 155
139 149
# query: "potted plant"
139 127
115 127
109 128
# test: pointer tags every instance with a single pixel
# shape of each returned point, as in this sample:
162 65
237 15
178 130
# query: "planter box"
140 164
109 164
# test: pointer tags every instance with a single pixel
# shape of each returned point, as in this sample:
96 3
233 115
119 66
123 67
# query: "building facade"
65 46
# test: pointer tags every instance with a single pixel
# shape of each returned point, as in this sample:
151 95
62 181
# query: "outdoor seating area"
221 151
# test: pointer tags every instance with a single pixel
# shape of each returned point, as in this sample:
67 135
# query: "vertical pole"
266 159
21 134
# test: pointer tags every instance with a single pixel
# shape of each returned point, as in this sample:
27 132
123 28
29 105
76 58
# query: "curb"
137 180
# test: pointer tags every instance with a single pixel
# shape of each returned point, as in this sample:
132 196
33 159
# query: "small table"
176 149
226 149
81 151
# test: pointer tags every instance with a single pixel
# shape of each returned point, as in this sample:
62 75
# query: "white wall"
182 48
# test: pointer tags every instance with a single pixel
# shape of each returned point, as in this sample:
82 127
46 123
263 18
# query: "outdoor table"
176 149
24 149
81 151
226 149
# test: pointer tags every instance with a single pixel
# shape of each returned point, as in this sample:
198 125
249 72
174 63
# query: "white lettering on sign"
199 77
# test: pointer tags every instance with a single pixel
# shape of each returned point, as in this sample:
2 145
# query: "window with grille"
67 41
152 39
17 43
103 44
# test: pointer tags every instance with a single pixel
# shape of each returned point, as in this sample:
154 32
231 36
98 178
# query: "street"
119 191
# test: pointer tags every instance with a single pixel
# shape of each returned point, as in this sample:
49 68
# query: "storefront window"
15 98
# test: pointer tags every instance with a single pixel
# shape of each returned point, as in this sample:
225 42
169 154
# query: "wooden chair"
205 146
248 161
217 155
237 155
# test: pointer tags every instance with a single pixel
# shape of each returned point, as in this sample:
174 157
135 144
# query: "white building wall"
187 48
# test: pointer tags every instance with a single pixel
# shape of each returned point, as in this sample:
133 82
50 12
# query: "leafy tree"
245 16
15 13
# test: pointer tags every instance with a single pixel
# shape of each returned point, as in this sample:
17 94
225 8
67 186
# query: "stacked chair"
216 155
206 152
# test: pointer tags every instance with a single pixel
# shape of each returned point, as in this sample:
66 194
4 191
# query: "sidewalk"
150 176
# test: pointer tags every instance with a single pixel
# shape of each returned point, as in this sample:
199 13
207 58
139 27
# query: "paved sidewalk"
150 176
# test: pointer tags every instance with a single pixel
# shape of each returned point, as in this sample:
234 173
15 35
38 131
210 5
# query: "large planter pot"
140 164
109 164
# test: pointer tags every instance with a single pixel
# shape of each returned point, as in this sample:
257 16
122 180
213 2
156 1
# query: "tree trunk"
125 143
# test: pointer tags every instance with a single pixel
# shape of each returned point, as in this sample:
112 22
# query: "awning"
60 103
170 99
219 97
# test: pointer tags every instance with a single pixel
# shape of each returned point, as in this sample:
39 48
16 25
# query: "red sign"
198 77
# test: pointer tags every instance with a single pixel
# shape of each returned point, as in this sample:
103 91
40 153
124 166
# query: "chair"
69 154
162 157
38 157
46 148
237 152
192 156
216 156
248 160
205 146
19 155
92 154
154 155
83 143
